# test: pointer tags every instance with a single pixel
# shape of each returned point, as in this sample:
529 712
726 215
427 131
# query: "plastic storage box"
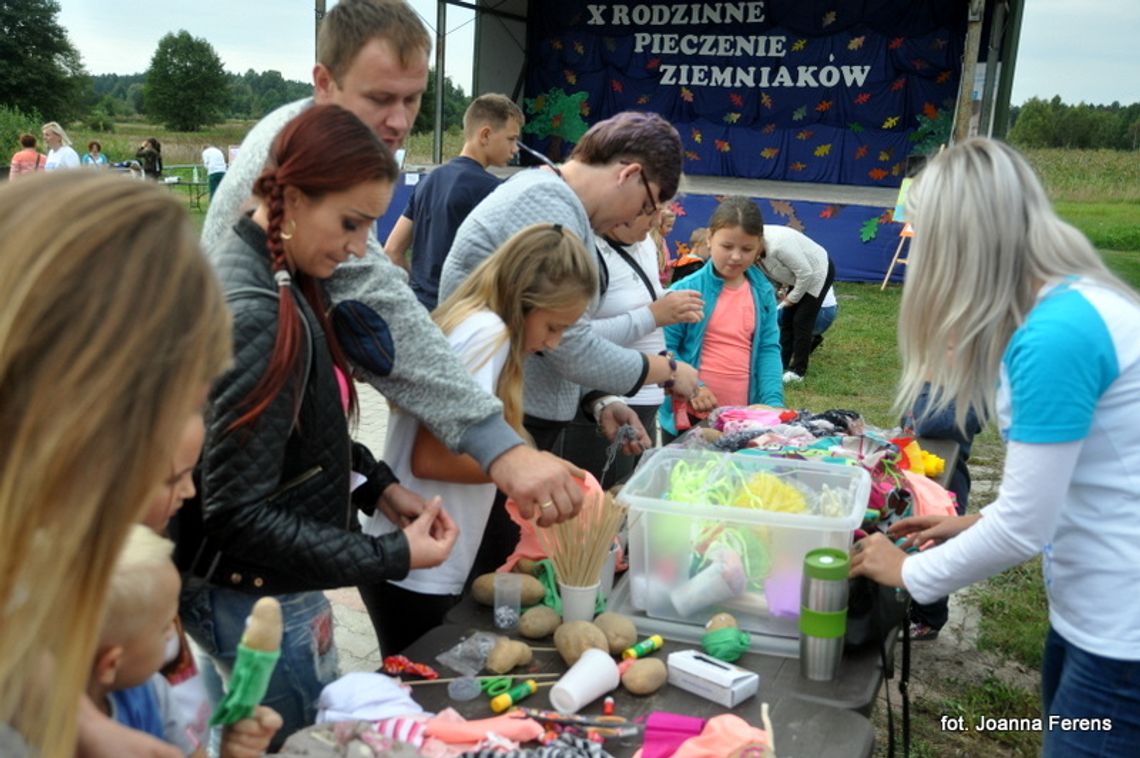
712 531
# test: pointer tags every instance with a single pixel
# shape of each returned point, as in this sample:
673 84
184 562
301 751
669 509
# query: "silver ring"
547 504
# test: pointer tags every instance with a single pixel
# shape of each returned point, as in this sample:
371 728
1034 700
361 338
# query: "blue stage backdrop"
828 91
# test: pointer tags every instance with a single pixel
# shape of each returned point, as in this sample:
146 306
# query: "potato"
538 622
527 566
619 630
576 637
483 590
645 676
722 621
508 654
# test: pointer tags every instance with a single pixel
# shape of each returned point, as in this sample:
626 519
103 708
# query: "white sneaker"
792 376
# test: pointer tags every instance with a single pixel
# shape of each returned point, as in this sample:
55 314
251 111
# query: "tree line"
1052 123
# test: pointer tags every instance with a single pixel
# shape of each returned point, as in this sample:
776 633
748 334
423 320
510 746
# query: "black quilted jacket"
274 514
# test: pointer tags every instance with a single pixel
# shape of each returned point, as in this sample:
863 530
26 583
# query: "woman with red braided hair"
275 514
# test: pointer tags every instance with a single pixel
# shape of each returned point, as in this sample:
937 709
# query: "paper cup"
594 674
706 588
578 602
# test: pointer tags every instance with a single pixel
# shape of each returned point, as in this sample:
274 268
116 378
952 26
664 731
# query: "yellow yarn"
767 492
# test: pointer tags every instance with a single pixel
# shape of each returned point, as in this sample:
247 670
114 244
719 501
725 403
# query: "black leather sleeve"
379 477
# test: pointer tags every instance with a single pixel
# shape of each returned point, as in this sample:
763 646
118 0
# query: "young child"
696 256
138 626
660 235
518 301
736 346
440 202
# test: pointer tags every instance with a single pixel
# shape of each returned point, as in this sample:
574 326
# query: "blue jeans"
215 619
1077 684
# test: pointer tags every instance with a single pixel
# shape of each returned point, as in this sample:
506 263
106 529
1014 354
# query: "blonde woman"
659 234
1011 311
102 363
517 302
60 152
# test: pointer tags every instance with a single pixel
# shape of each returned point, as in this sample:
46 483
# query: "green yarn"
726 644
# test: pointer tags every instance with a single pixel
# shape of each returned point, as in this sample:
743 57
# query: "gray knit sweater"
551 389
427 380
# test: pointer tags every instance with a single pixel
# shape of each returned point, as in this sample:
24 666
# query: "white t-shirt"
64 157
1068 405
214 160
622 316
481 344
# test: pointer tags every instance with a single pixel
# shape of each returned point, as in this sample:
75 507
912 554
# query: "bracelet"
601 403
668 383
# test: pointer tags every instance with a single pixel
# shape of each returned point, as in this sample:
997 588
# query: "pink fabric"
930 499
529 546
725 735
25 161
451 728
342 383
665 732
726 352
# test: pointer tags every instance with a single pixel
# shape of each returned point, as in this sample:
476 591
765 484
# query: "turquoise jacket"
765 384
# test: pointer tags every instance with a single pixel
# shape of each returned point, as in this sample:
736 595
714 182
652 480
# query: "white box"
710 678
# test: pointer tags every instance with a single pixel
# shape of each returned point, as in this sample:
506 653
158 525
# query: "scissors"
604 726
496 685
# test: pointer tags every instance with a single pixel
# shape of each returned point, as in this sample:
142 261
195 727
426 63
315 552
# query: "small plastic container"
578 603
508 600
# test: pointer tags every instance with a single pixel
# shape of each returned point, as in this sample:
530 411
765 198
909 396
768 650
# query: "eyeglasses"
651 206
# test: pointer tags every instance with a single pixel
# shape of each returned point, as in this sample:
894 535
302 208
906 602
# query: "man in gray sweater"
373 61
623 167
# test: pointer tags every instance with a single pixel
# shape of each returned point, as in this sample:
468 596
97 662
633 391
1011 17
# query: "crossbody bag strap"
620 250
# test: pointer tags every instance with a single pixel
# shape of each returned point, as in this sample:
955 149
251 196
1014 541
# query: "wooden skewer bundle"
578 548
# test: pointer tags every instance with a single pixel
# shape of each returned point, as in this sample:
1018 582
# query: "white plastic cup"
706 588
593 675
508 600
578 603
606 584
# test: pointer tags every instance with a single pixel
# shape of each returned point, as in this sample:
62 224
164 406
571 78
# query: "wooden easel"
906 233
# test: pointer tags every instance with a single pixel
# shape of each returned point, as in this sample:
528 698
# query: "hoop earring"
288 235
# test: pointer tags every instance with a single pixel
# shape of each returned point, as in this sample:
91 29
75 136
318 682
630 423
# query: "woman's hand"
919 530
704 401
877 558
685 381
677 306
431 536
613 416
249 738
400 505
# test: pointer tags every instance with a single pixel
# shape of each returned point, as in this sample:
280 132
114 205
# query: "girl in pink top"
736 346
27 159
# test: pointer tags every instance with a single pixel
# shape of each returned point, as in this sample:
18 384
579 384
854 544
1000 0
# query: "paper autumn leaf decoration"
795 223
884 155
896 43
722 145
861 152
856 127
804 134
766 100
584 109
579 48
678 209
731 118
919 64
736 99
898 168
824 105
782 208
570 76
829 18
556 44
891 122
692 155
898 84
856 42
696 135
930 111
616 85
863 98
869 230
877 173
643 100
938 44
769 129
769 152
799 45
686 94
653 64
823 150
943 77
797 166
829 211
799 114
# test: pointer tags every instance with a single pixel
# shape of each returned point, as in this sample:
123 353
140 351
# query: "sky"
1082 51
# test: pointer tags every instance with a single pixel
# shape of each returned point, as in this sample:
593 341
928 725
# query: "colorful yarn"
726 644
766 492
